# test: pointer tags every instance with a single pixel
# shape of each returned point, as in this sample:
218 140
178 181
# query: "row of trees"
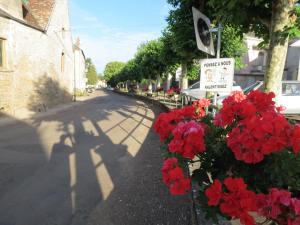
276 21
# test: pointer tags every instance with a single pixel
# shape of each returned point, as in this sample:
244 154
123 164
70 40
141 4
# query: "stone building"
255 61
80 71
36 55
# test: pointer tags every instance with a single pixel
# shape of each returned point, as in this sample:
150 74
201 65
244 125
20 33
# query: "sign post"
218 56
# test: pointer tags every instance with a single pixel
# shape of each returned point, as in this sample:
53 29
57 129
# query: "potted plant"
173 92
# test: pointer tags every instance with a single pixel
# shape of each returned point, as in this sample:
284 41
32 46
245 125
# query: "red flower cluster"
278 205
188 139
230 109
167 122
200 107
173 91
174 178
295 139
237 202
239 106
259 135
214 193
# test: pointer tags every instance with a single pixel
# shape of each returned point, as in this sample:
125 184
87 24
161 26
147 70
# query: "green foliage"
111 70
181 32
80 93
252 16
149 59
91 75
233 45
181 29
193 72
168 54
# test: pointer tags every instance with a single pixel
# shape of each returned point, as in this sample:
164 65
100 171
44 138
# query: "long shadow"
47 94
99 164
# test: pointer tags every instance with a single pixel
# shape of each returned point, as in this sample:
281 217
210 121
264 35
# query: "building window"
2 52
62 62
261 58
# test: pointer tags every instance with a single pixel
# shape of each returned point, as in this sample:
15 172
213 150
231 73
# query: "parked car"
109 88
289 96
195 92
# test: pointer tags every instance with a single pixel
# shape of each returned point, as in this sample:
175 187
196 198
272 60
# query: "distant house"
36 55
255 61
292 68
80 70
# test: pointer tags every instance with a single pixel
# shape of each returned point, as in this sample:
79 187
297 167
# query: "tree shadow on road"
47 94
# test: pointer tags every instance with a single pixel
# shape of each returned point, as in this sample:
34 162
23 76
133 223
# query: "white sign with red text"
217 74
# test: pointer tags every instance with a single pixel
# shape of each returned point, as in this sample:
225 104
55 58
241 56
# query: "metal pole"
219 41
218 56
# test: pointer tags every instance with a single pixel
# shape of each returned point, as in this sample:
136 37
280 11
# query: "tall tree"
274 20
181 31
149 58
91 75
181 26
111 70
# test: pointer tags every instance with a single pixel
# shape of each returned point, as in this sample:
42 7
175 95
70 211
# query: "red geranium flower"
214 193
188 139
237 202
295 139
279 206
239 106
174 178
259 135
200 107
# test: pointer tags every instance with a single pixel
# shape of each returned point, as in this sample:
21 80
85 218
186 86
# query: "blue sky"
111 30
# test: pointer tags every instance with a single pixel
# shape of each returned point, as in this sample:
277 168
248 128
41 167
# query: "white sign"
217 74
203 35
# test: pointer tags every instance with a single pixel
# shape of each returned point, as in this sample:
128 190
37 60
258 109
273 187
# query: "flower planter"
248 154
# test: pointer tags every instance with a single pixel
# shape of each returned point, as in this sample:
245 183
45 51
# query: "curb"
145 99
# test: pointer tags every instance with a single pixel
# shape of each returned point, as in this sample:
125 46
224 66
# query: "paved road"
95 164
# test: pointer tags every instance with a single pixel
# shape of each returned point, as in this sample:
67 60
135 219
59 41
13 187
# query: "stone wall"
33 78
13 7
80 76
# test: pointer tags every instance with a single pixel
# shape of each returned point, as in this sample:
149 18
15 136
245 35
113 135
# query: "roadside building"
292 65
80 70
37 55
255 61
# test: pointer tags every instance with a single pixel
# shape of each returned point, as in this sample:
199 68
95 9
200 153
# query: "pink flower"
188 139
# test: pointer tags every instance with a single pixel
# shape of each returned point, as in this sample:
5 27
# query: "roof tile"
41 11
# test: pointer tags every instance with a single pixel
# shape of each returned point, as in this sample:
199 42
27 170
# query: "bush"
248 155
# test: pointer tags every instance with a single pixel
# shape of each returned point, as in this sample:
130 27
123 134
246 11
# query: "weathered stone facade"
79 58
38 71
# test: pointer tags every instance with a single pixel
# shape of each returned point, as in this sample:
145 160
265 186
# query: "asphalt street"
97 163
